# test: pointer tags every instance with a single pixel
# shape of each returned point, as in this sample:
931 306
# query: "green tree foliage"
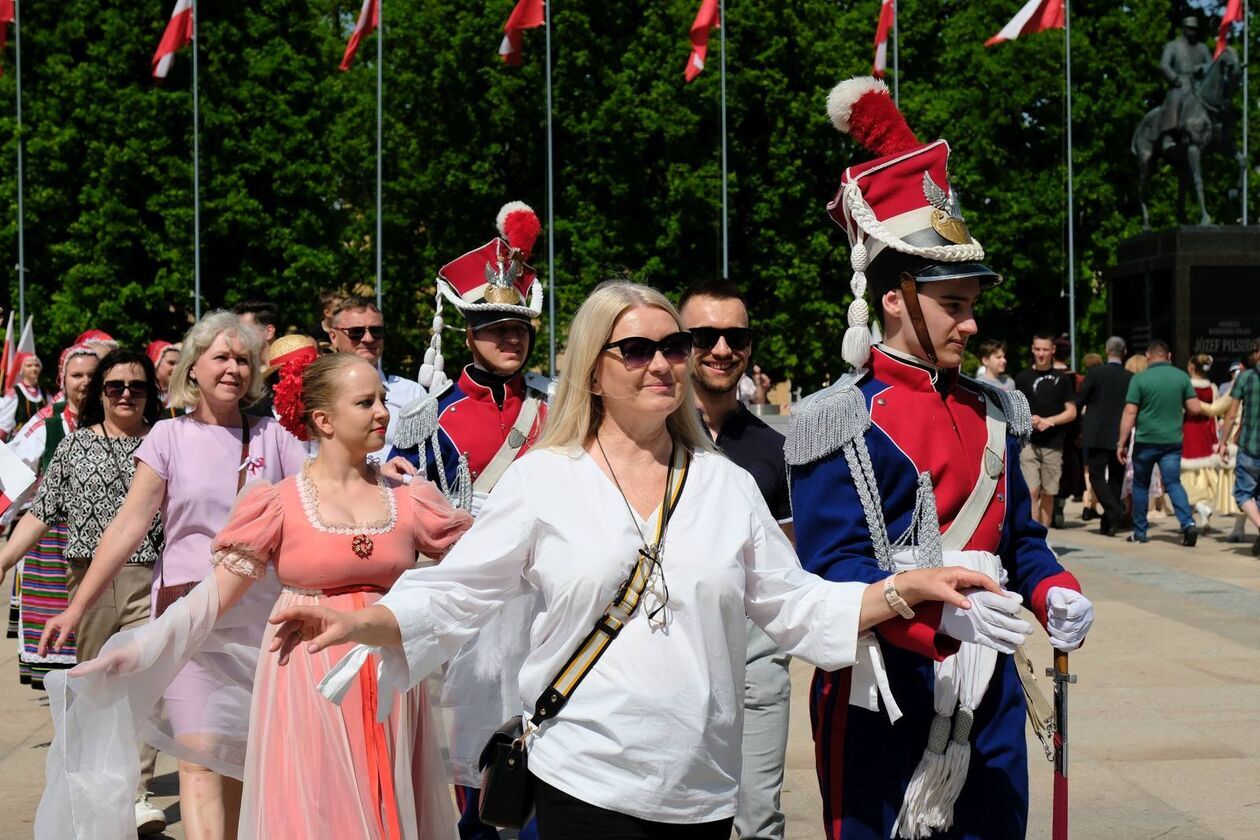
288 146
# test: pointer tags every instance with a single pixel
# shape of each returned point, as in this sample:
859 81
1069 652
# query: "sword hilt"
1060 670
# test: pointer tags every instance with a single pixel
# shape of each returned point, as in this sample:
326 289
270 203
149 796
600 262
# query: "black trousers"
1106 476
563 817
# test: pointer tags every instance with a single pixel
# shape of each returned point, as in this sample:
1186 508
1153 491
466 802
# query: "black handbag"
507 786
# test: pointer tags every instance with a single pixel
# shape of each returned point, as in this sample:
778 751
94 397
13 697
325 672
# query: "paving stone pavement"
1165 716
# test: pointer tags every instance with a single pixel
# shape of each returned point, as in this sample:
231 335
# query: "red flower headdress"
288 402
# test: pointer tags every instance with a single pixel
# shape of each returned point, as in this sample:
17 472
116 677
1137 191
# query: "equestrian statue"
1197 117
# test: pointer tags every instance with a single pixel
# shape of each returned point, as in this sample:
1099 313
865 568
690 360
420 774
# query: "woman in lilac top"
191 469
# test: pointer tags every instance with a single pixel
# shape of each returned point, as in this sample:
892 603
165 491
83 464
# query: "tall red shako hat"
899 211
490 284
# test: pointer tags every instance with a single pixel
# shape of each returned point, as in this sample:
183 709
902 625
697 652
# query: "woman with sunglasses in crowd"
84 486
647 744
191 469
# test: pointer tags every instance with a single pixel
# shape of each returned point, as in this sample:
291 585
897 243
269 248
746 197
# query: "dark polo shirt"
751 444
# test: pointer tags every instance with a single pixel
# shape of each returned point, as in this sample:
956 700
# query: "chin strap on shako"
910 294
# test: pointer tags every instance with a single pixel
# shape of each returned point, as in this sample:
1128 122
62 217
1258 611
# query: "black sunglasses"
357 333
737 338
638 351
114 388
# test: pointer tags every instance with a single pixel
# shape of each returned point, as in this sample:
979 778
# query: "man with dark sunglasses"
716 314
903 464
487 418
357 326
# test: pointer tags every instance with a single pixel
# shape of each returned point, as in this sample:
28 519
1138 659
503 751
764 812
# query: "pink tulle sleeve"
437 524
252 536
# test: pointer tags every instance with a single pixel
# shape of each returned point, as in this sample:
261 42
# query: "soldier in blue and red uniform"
494 411
464 435
906 463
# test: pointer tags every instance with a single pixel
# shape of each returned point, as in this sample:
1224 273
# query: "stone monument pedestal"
1198 288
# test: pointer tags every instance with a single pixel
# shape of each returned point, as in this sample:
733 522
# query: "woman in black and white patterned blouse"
83 487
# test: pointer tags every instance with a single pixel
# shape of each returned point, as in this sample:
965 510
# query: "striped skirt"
43 595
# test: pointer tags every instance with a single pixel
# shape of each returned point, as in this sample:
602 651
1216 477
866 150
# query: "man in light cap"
464 436
905 463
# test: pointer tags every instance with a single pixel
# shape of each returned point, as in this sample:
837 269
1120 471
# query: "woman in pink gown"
336 535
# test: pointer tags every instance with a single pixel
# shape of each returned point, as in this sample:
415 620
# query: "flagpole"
380 75
196 172
551 212
726 254
21 264
1071 241
896 63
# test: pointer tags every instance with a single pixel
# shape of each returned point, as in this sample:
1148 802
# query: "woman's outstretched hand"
945 584
319 627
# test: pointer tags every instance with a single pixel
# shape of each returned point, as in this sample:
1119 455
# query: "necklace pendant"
362 546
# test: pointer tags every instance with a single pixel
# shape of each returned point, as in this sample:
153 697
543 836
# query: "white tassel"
859 259
431 377
855 348
913 820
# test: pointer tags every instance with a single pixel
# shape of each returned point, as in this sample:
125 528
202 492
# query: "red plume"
519 225
863 109
287 398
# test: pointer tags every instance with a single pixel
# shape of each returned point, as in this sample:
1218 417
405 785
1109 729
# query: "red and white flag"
178 34
887 12
24 350
16 479
369 20
527 14
6 17
706 19
1233 14
1036 16
8 351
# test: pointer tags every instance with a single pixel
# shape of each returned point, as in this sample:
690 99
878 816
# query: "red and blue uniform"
471 422
935 424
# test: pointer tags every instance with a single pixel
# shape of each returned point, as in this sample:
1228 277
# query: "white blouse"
654 730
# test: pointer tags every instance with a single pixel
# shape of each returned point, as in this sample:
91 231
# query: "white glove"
992 621
1069 615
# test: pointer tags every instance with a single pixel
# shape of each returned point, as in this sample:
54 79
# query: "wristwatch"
894 598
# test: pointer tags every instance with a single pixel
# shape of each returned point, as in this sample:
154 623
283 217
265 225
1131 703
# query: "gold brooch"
362 546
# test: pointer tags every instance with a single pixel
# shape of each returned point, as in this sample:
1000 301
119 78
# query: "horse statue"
1206 124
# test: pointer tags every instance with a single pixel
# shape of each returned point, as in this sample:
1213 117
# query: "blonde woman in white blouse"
648 746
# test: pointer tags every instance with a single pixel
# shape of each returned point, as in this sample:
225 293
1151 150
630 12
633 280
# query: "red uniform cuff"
1067 580
919 634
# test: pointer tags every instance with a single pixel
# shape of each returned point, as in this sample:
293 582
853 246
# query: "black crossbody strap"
622 607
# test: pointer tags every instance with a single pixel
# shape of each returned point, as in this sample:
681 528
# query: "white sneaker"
149 818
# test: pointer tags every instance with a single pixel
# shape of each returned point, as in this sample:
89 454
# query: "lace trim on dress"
310 505
238 561
297 590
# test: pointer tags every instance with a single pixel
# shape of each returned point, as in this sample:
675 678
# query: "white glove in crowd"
992 621
1069 615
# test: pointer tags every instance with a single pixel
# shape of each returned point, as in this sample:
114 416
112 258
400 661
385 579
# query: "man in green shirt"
1157 402
1245 396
